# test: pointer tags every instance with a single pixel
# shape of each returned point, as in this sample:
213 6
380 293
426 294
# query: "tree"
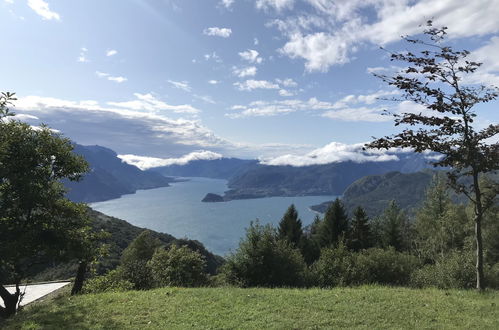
360 232
335 224
440 225
290 227
264 260
135 257
434 79
178 266
392 228
37 222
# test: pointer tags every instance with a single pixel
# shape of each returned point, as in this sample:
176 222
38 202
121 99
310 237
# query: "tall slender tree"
360 231
392 228
290 227
335 224
434 78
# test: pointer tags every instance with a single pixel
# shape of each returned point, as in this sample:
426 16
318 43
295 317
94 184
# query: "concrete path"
36 291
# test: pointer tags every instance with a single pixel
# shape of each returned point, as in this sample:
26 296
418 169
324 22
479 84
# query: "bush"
492 276
111 282
384 266
340 267
335 267
455 270
263 260
135 257
177 266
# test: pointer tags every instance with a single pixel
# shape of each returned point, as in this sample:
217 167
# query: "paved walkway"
36 291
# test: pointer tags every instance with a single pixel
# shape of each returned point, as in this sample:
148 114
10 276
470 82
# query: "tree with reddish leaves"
434 77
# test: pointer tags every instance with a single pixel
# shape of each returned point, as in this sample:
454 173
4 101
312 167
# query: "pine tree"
360 232
335 224
392 228
290 227
440 225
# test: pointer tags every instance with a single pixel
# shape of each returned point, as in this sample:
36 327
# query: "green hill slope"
229 308
374 192
122 234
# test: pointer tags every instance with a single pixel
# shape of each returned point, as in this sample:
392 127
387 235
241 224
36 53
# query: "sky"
169 81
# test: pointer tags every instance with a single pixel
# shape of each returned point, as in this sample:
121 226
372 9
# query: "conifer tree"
290 227
392 228
360 232
335 224
440 225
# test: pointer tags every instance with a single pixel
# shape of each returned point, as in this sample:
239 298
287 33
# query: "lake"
178 210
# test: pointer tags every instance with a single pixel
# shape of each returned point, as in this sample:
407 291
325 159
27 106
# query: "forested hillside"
328 179
109 177
121 235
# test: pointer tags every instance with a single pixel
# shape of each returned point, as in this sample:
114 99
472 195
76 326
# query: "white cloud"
284 92
245 72
205 98
334 152
82 58
117 79
287 82
358 114
101 74
488 72
213 82
145 163
320 50
251 56
217 32
137 127
213 56
42 8
134 127
345 109
255 41
332 33
251 84
111 52
151 103
276 4
227 3
183 85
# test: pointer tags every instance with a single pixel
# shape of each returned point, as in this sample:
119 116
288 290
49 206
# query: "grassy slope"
215 308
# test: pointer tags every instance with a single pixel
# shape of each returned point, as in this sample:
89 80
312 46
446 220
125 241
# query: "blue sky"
165 81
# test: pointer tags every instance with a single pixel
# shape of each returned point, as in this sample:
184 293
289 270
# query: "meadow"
365 307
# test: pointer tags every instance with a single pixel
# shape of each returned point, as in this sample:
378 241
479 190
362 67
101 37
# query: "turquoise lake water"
178 210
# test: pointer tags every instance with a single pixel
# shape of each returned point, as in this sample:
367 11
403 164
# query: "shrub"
384 266
340 267
455 270
111 282
177 266
335 267
263 260
135 257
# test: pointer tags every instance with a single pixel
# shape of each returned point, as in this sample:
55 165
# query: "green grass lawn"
231 308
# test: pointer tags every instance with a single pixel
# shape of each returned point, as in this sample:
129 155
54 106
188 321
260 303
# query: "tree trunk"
10 301
480 282
80 277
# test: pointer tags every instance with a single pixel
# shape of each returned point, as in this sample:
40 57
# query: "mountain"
223 168
121 235
374 192
110 177
329 179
